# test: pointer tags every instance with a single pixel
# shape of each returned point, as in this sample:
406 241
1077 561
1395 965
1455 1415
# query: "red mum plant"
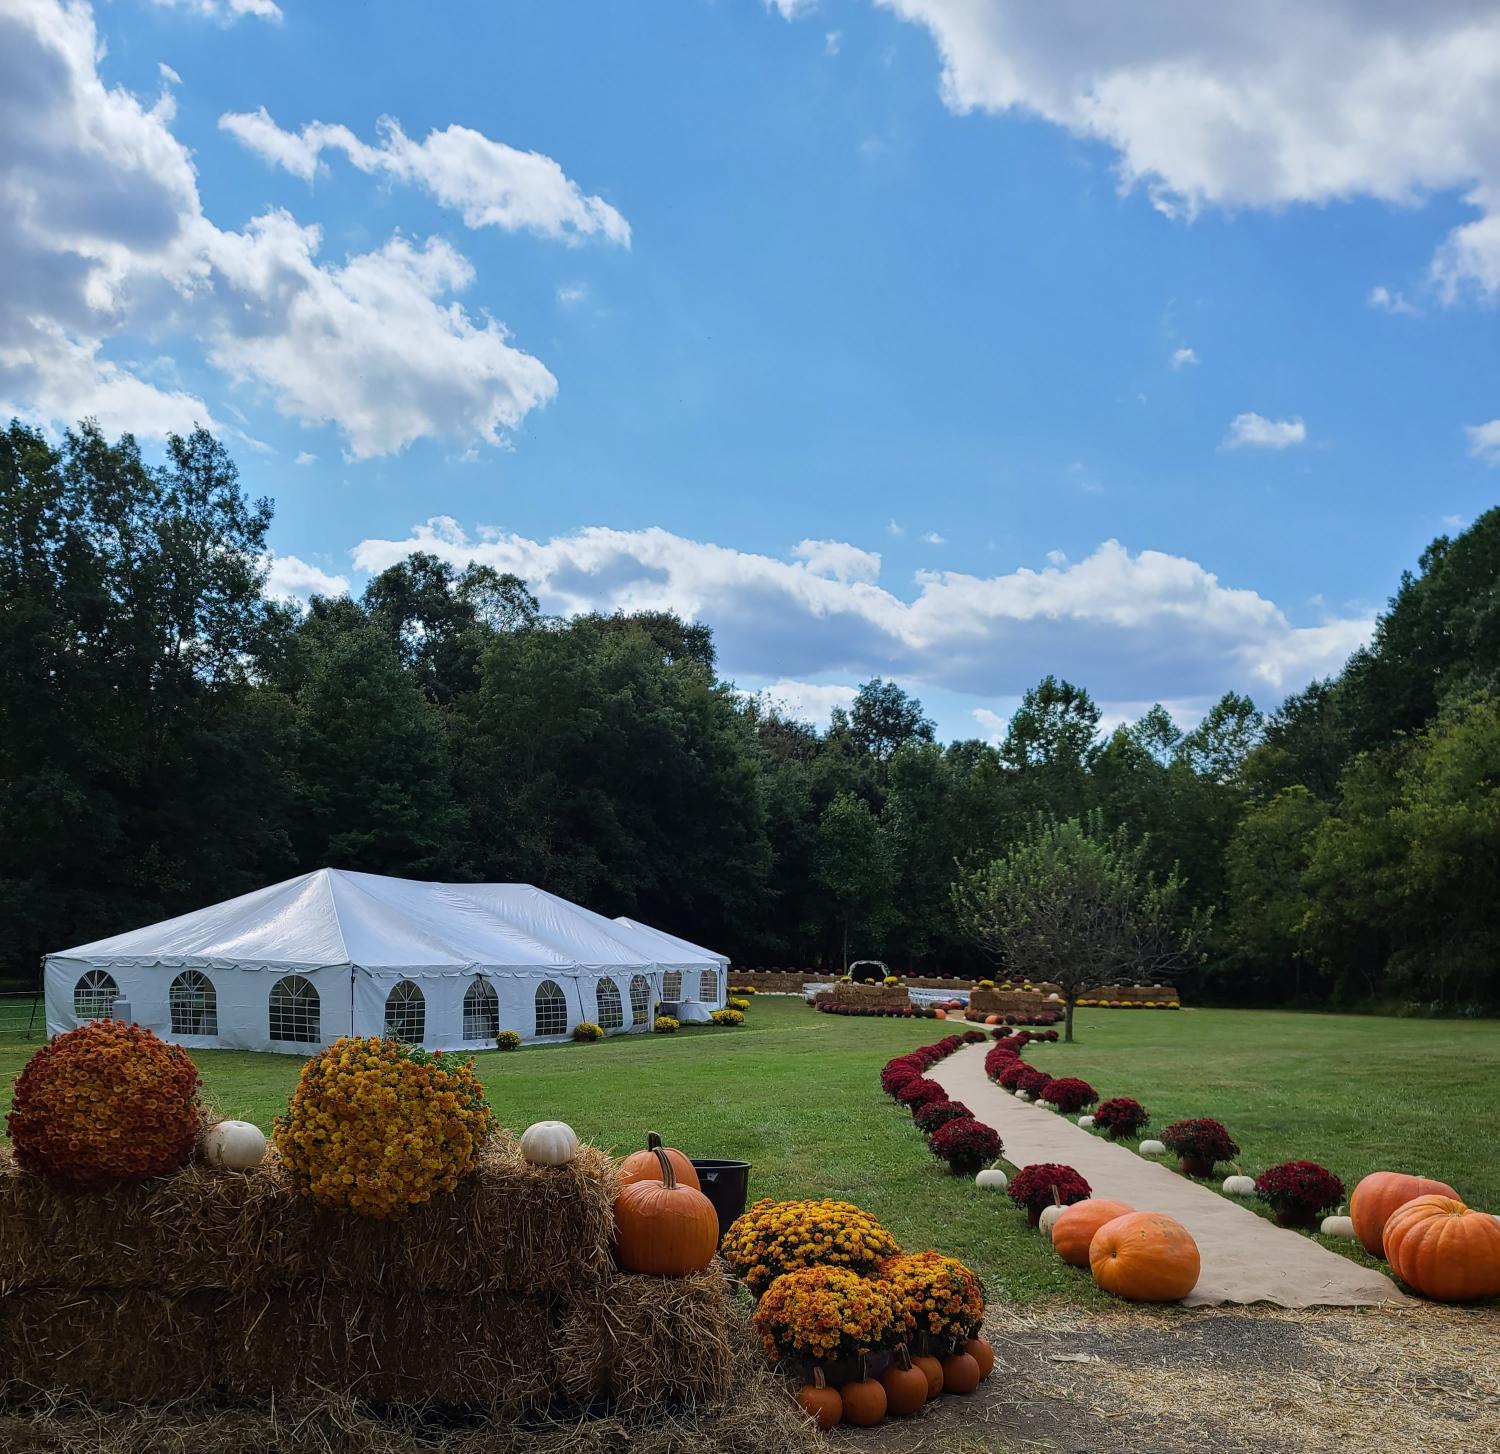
1299 1192
917 1093
1121 1117
105 1102
1010 1077
939 1113
1032 1080
1046 1184
974 1037
1070 1095
1199 1143
996 1058
965 1145
896 1074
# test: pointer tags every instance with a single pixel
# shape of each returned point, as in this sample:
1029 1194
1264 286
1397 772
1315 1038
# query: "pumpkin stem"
652 1141
1056 1196
903 1355
818 1380
668 1180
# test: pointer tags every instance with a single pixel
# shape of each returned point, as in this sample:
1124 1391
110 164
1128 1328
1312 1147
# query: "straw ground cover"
795 1093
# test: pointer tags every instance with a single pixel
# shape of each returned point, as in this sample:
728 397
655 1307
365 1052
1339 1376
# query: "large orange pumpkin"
1146 1257
1075 1226
933 1370
960 1373
864 1402
823 1404
905 1386
1441 1249
663 1228
643 1165
1378 1195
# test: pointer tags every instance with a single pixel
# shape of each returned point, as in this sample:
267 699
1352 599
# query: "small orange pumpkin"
933 1371
960 1373
822 1404
864 1402
1146 1257
663 1228
1441 1249
1378 1195
940 1014
643 1165
1075 1226
992 1019
980 1351
905 1386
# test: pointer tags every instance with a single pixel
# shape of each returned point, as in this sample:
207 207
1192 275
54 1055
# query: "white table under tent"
294 966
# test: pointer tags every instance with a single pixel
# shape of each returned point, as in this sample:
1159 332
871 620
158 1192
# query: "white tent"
294 966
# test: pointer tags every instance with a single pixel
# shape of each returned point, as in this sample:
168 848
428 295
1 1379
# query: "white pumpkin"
549 1143
1239 1186
992 1179
1085 1122
1048 1217
1023 1095
1337 1227
1153 1148
234 1145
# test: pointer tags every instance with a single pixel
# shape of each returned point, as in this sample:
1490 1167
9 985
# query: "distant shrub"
508 1040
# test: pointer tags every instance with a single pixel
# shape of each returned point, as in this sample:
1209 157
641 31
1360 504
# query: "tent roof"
334 917
671 943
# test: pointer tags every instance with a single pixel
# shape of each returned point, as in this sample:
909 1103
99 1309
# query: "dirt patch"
1247 1380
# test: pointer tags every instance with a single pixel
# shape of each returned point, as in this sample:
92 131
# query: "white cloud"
572 293
1484 441
1148 625
840 561
832 41
1454 522
290 578
993 723
105 240
1237 105
1255 431
168 74
933 538
225 11
790 9
1386 301
1183 358
808 701
892 527
487 182
304 458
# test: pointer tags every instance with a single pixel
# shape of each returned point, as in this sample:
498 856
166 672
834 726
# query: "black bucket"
726 1184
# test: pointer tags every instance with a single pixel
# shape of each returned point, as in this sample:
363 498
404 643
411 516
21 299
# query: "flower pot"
1033 1216
1299 1219
1195 1166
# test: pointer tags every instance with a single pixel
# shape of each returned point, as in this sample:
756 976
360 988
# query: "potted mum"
1199 1144
965 1144
939 1113
1299 1192
1045 1184
1122 1118
1070 1095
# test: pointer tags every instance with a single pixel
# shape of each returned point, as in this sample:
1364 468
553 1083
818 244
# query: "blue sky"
954 342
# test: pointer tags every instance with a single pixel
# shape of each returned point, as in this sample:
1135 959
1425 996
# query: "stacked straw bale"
502 1296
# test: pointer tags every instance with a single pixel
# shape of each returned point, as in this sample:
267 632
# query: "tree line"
170 736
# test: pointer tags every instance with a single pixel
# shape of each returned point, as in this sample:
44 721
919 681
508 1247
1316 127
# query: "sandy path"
1246 1259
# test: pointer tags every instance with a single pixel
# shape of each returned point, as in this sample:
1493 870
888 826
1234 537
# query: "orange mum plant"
105 1102
826 1313
776 1237
942 1298
376 1127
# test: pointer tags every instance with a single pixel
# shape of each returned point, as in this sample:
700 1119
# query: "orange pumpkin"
663 1228
905 1386
980 1351
864 1402
940 1014
643 1165
1378 1195
992 1019
960 1373
821 1403
1146 1257
934 1372
1075 1226
1441 1249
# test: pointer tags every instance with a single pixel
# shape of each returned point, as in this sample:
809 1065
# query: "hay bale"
488 1351
109 1347
510 1227
643 1343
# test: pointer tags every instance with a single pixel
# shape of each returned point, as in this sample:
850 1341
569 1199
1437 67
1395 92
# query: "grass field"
797 1094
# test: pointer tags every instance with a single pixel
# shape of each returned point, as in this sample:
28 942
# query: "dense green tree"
1050 744
883 719
852 868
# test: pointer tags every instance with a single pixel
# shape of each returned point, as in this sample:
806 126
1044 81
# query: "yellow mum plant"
777 1237
376 1127
940 1296
827 1313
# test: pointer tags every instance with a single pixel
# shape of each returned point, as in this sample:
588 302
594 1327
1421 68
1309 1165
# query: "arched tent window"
640 999
481 1010
551 1009
611 1011
406 1013
671 985
194 1004
295 1011
708 984
94 995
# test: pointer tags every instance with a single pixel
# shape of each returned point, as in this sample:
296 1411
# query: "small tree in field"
1075 904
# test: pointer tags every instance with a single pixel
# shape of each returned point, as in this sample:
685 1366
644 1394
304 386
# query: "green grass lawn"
797 1094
